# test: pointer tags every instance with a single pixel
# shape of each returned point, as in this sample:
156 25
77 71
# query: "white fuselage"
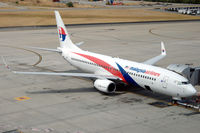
108 71
146 76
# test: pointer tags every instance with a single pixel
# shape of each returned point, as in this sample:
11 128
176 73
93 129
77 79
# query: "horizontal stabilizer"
79 44
47 49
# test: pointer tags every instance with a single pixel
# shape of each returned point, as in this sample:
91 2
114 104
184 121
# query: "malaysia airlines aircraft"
107 71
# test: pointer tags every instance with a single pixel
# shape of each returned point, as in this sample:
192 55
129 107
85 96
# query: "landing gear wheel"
174 102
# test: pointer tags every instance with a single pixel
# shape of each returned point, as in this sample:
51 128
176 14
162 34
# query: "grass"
32 18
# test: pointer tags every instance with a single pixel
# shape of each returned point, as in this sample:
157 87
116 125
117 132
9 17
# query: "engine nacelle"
105 85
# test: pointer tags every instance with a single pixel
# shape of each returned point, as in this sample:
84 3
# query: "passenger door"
165 82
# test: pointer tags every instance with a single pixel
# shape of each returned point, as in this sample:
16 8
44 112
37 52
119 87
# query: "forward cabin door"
165 82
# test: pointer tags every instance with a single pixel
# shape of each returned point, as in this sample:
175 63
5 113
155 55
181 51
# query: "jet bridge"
191 73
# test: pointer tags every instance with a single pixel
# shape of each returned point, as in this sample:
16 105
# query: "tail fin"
64 37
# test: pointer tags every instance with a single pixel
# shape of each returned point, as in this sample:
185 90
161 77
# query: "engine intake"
105 85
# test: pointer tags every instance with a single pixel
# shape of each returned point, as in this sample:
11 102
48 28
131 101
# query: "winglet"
163 50
4 61
154 60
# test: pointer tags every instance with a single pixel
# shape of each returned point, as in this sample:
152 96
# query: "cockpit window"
182 83
185 83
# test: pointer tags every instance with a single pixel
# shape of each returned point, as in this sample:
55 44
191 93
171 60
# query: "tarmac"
41 104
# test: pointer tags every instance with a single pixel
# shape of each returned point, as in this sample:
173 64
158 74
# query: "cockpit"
185 88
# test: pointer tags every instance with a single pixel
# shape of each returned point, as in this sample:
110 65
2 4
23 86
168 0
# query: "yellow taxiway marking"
22 98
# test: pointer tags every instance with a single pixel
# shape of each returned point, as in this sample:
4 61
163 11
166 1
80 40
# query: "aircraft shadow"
74 90
121 89
145 93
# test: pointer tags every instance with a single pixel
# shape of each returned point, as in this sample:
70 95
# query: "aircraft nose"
191 91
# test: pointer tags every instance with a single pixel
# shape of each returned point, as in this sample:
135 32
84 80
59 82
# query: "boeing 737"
107 71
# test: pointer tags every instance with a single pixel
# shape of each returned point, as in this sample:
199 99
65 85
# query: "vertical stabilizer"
64 37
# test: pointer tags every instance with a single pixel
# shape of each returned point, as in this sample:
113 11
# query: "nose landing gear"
175 100
192 103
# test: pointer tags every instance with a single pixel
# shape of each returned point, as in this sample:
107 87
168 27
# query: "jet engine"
105 85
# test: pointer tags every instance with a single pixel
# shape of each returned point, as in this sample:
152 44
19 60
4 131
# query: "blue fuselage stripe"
127 77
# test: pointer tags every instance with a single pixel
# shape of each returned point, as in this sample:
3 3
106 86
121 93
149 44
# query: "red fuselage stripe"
104 65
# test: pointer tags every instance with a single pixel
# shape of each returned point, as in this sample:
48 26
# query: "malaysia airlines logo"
62 34
143 71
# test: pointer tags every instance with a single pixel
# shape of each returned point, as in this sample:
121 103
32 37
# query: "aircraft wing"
82 75
154 60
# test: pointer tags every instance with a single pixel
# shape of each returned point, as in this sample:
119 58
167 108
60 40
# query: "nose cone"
190 91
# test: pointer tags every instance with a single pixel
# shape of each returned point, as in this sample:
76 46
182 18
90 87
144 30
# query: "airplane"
107 71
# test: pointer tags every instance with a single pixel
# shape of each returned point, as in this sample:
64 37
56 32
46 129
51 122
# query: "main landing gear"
175 100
